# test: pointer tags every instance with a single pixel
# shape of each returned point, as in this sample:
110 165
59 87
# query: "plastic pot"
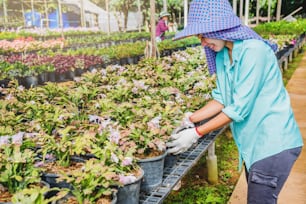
129 193
153 172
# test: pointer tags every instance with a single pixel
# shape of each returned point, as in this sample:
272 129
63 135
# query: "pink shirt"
161 28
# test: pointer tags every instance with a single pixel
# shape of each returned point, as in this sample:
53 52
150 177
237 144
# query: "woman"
162 26
250 96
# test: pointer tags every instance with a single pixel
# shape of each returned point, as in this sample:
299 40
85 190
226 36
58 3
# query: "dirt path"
294 191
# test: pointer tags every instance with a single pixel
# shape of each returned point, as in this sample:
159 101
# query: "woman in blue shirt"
250 96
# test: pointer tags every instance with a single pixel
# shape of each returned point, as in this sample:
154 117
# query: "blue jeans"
266 177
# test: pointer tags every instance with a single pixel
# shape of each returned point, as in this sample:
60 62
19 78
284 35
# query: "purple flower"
127 179
4 140
50 157
39 164
17 138
135 90
140 85
114 136
154 123
127 161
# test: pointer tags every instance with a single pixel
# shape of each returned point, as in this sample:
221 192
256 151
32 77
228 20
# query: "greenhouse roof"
88 5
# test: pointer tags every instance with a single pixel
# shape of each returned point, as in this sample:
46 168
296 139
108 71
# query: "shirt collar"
237 46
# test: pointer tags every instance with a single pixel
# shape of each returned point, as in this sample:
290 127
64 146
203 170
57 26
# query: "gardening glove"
185 124
182 141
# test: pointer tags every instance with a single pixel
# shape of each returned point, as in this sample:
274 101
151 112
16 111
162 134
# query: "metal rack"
174 173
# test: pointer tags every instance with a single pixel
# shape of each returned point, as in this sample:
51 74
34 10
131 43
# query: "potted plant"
17 167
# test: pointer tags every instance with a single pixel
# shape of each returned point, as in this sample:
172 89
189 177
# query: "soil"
5 196
52 167
151 154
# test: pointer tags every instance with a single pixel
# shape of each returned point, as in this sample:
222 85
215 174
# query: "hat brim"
201 28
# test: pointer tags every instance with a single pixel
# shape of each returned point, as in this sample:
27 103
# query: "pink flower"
39 164
17 138
4 140
127 161
127 179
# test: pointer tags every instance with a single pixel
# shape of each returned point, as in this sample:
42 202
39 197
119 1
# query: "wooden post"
241 9
140 14
22 11
185 12
60 18
32 9
83 24
212 165
279 9
257 11
235 6
246 12
5 12
269 10
108 16
165 5
153 31
46 13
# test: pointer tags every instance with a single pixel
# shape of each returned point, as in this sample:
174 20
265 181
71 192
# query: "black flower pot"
4 83
70 75
123 61
51 76
130 60
78 71
60 77
30 81
42 78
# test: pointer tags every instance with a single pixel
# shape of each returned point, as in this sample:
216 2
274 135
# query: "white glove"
185 124
182 141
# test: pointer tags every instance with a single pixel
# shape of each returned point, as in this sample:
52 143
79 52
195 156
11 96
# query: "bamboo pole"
22 11
257 11
165 5
185 12
32 9
108 16
5 12
235 6
139 13
241 9
246 12
153 31
46 13
82 14
269 10
60 18
279 10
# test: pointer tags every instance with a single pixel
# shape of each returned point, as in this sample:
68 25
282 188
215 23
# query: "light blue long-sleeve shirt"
254 97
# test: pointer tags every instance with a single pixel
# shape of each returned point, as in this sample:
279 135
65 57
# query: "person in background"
162 26
249 96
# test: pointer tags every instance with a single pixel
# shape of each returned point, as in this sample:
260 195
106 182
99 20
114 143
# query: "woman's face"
214 44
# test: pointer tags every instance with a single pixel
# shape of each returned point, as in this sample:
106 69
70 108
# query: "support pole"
22 11
165 5
257 11
185 12
269 10
46 13
32 9
153 27
235 6
5 12
60 18
246 12
108 16
241 9
212 165
140 15
82 14
279 9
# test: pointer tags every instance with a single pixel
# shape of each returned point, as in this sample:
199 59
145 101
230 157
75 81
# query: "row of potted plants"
114 116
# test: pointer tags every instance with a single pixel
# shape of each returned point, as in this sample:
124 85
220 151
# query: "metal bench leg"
212 165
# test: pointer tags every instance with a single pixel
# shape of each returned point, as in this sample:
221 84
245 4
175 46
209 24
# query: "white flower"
17 138
114 158
127 179
4 140
127 161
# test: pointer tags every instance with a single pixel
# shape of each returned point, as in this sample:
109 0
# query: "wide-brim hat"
164 13
207 16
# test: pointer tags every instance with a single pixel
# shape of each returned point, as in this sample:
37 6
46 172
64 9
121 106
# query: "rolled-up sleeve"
247 82
217 95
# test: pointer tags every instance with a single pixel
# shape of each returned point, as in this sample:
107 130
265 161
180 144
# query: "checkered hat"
215 19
